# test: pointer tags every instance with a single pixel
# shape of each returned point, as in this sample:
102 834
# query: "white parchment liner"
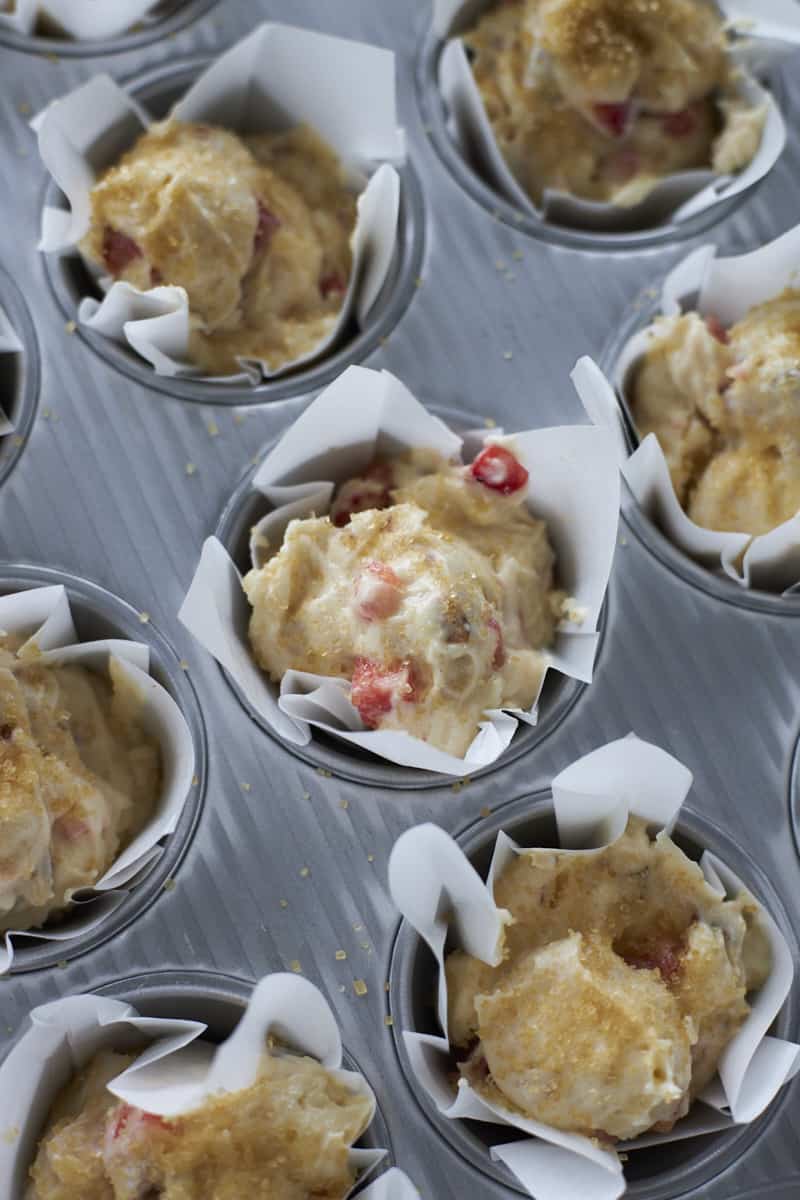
44 615
769 28
440 893
273 79
176 1073
9 344
84 20
574 487
725 288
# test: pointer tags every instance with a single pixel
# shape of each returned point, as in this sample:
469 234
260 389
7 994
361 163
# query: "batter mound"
256 230
623 979
79 777
429 587
601 99
725 407
287 1137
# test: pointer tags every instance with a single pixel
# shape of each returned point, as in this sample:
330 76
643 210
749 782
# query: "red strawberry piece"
266 226
613 119
118 250
500 649
376 689
357 495
679 124
377 592
664 957
717 329
332 285
496 468
128 1117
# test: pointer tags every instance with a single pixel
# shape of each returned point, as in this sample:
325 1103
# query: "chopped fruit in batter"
255 229
623 979
725 407
429 587
601 99
79 776
286 1137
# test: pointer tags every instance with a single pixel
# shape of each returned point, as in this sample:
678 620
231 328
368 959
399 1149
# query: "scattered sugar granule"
359 987
306 795
183 664
169 885
213 429
305 872
486 811
195 780
284 903
344 804
341 955
71 326
295 965
508 355
191 468
517 255
388 1022
246 787
144 617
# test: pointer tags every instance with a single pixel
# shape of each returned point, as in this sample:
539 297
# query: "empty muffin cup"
204 1035
19 375
573 488
448 906
86 865
274 306
679 204
747 379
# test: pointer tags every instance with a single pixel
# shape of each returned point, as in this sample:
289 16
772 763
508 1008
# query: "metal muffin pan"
469 176
560 693
98 615
166 19
652 1174
157 90
19 377
103 491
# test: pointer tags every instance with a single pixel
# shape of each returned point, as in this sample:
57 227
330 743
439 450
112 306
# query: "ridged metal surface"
102 491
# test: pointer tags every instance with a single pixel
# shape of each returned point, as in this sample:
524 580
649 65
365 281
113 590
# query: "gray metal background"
102 491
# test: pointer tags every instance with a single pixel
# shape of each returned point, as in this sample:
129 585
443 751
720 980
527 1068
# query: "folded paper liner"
769 29
275 78
440 894
725 288
9 344
177 1072
84 20
44 615
574 487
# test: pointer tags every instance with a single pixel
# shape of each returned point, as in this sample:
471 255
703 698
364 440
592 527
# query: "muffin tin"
121 481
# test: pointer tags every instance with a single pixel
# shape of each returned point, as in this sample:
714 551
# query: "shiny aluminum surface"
120 483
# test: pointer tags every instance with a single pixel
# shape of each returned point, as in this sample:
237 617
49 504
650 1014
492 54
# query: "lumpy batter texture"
256 230
624 977
725 407
429 587
603 98
287 1137
79 776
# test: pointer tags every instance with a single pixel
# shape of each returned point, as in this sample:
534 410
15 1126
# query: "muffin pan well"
165 19
124 477
19 374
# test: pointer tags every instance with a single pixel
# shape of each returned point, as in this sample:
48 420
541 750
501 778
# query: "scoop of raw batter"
79 777
256 230
629 941
287 1137
429 587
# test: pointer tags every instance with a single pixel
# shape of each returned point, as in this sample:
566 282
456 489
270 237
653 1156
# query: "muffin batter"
79 777
429 586
725 407
603 98
286 1137
256 230
624 977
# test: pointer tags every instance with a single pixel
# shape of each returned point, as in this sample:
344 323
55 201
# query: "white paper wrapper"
84 20
9 344
44 614
177 1071
574 487
725 288
772 29
275 78
439 892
